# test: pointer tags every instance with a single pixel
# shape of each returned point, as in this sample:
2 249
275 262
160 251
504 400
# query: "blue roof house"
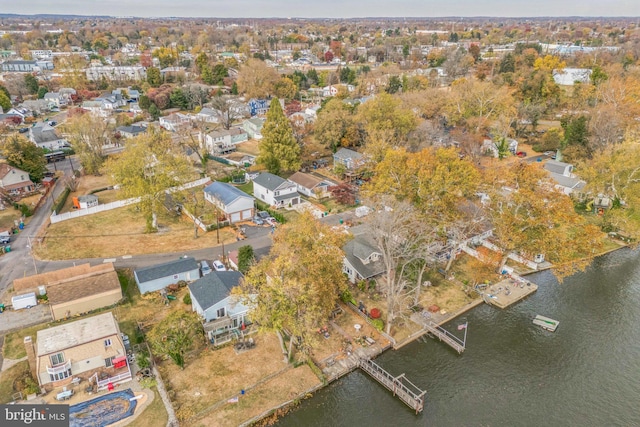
235 204
160 276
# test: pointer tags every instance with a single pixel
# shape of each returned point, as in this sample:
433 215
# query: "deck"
508 291
400 386
445 336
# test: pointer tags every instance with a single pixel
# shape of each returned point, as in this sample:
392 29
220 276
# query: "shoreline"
291 404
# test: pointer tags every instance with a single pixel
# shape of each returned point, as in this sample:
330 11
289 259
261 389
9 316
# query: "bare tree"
228 110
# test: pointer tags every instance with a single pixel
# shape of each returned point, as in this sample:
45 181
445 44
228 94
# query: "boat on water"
546 323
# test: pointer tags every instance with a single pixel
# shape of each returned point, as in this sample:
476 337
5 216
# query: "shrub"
378 324
187 299
375 313
62 199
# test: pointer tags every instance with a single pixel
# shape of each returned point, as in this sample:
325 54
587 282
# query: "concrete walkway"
8 363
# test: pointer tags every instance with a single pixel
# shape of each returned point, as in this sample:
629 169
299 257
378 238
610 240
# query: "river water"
513 373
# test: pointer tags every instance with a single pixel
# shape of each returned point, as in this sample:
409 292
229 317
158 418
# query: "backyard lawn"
122 232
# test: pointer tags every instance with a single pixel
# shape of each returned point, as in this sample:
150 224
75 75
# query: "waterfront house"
235 204
159 276
562 174
362 259
90 347
350 159
275 191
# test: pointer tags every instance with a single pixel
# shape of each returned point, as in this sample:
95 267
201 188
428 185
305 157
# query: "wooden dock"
399 386
445 336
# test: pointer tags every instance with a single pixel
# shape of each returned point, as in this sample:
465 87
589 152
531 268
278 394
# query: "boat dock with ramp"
507 292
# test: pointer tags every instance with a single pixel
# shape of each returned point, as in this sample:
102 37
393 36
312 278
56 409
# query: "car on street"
218 266
204 268
263 215
4 240
23 130
521 154
258 221
271 221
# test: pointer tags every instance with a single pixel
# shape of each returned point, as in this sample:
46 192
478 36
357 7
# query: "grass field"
7 379
154 415
122 232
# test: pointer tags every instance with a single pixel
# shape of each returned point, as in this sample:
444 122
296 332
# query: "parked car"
23 130
4 240
218 266
263 215
204 268
53 123
521 154
271 221
258 221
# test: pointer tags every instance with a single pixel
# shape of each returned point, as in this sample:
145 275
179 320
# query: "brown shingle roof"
305 180
83 287
52 277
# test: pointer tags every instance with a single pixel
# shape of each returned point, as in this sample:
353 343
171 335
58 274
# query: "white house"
45 136
312 111
173 122
310 185
236 204
569 76
332 90
15 181
159 276
362 259
224 141
348 158
275 191
562 174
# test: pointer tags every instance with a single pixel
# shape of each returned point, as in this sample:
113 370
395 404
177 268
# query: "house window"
60 376
107 342
221 312
277 193
56 359
108 362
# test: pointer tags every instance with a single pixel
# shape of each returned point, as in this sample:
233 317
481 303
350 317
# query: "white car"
218 266
204 268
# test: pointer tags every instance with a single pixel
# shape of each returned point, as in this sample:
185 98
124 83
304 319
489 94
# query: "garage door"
235 217
246 214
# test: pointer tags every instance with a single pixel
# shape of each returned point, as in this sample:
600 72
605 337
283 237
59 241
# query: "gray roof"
358 249
269 181
567 181
170 268
41 135
224 192
345 153
214 287
132 129
287 196
555 166
72 334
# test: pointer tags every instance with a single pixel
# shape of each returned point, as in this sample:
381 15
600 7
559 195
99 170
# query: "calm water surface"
513 373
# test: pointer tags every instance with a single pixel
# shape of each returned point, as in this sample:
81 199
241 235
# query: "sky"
325 8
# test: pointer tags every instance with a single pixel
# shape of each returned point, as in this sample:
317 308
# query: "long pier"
445 336
400 386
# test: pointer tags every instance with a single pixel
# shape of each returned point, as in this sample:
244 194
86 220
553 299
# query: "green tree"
234 88
154 111
175 335
154 78
279 150
5 102
144 102
31 83
177 99
502 145
5 91
42 91
149 165
246 258
23 154
507 64
394 85
297 285
219 73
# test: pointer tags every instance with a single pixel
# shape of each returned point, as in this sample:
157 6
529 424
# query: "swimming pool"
103 410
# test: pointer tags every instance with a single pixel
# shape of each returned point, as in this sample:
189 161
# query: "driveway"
11 320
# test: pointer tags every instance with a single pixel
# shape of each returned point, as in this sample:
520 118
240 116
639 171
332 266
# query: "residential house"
135 108
225 316
21 112
211 297
208 115
15 181
82 349
234 203
224 141
45 136
258 107
571 76
111 73
56 99
111 102
562 174
174 122
311 185
130 131
332 90
21 66
95 107
253 127
351 160
159 276
131 94
312 111
275 191
75 290
362 258
40 106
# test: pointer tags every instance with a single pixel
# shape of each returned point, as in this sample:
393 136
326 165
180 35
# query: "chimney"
31 357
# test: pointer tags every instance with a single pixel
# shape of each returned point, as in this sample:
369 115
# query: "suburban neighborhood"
205 221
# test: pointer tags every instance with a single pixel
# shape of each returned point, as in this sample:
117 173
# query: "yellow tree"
256 79
88 135
297 285
149 165
530 216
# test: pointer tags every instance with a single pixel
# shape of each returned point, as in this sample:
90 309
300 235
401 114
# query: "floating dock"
546 323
